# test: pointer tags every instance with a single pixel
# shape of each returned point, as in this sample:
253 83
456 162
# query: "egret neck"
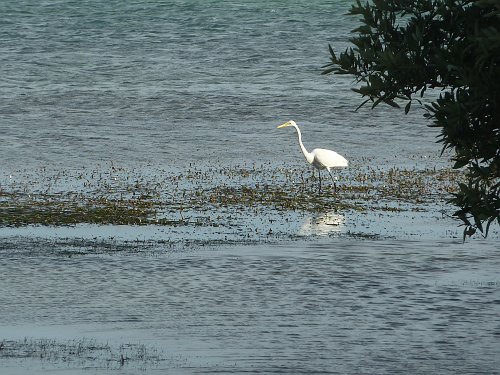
309 156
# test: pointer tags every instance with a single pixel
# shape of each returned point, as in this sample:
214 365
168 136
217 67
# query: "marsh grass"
85 352
49 210
119 197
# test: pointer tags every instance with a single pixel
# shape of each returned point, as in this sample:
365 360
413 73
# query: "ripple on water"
373 305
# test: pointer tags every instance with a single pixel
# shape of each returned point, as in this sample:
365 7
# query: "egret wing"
328 158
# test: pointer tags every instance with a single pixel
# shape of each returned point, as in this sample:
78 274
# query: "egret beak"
284 125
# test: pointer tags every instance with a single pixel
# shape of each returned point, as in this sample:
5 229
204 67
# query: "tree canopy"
404 48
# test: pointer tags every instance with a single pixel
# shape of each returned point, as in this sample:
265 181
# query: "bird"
320 158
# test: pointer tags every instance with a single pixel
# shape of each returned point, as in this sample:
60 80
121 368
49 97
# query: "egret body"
320 158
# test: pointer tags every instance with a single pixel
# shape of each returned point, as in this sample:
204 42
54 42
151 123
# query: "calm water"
339 307
173 82
168 83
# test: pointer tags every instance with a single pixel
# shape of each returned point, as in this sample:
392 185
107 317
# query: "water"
336 307
160 85
181 81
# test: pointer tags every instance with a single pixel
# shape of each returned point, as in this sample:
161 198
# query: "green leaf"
377 102
332 53
460 164
361 105
402 48
407 107
392 103
478 223
329 70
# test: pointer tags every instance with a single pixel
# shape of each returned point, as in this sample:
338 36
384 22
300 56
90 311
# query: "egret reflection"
322 224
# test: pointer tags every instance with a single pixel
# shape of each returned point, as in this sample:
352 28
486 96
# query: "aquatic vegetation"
209 196
83 352
47 210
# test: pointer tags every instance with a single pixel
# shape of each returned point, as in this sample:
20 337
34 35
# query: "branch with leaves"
404 48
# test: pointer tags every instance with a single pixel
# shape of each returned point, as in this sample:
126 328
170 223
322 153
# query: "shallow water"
337 306
97 94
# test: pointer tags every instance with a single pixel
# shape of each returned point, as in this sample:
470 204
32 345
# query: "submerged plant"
84 352
182 199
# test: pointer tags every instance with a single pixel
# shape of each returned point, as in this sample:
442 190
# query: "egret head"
288 123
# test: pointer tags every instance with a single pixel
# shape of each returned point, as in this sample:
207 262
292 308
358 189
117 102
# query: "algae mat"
232 204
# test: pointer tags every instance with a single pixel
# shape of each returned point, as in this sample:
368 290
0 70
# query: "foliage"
404 48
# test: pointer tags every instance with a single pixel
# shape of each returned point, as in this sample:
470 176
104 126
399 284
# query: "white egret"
320 158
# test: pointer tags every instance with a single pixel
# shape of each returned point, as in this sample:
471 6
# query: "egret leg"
319 174
333 180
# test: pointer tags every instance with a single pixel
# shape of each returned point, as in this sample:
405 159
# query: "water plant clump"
85 352
50 210
208 196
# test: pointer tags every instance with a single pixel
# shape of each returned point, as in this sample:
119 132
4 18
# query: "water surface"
340 306
175 82
90 86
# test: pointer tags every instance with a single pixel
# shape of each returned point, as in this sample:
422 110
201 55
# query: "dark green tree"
404 48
